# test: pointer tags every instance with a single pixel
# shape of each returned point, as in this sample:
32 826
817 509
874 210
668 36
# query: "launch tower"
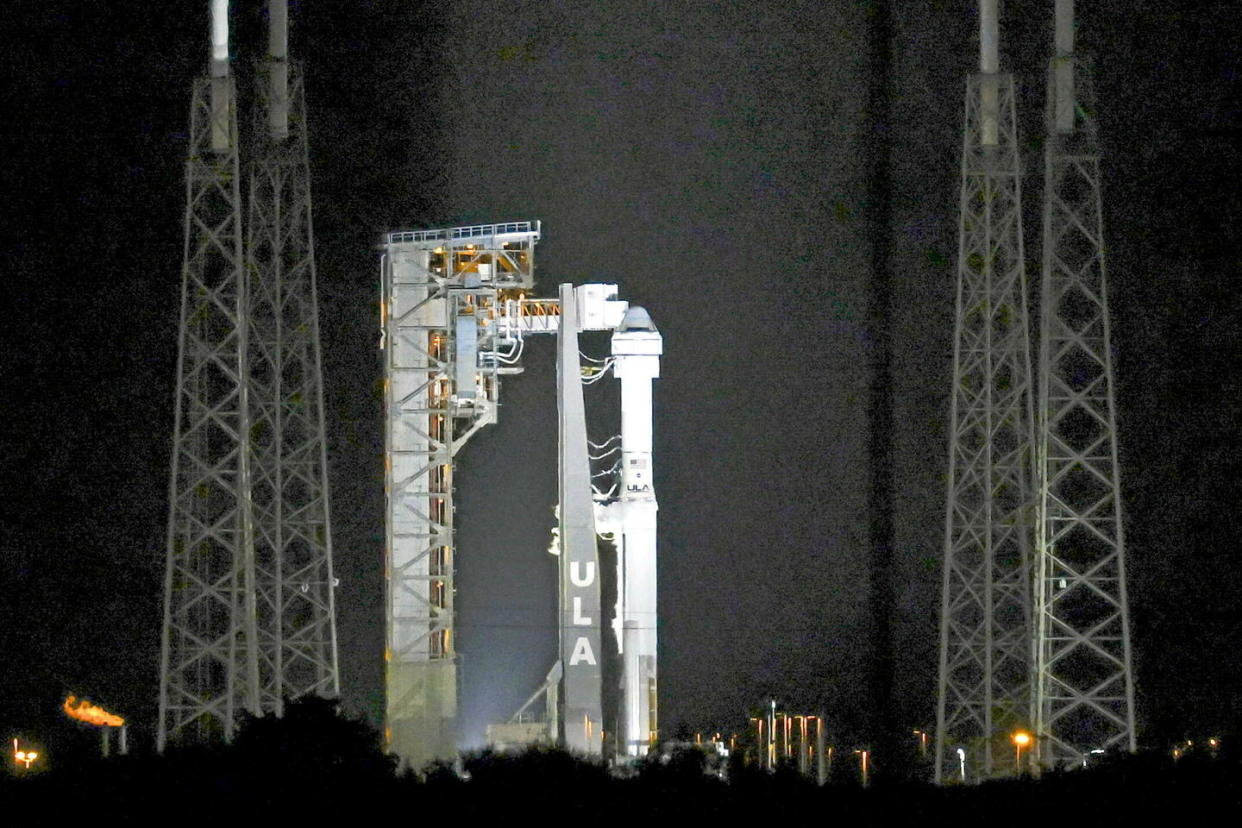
289 478
445 351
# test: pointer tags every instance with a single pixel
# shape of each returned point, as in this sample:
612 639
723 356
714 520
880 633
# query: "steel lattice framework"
209 659
1085 684
289 486
249 615
985 650
441 292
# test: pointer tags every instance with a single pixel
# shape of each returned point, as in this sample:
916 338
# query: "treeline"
319 767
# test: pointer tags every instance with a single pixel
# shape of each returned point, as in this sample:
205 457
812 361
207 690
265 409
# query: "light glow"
220 31
26 757
84 711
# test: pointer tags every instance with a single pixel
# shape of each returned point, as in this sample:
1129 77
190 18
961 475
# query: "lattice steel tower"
1085 684
985 649
209 659
248 609
289 486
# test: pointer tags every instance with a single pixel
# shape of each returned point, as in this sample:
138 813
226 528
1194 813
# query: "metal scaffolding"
249 615
985 658
289 483
1085 683
209 662
445 351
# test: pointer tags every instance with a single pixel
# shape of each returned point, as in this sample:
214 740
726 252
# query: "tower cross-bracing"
1085 684
209 660
444 355
985 657
289 486
248 608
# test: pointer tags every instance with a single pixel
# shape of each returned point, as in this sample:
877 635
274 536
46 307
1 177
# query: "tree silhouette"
311 753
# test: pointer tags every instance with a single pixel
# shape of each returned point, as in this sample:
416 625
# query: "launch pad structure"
1084 679
1035 632
456 311
985 613
249 608
1034 621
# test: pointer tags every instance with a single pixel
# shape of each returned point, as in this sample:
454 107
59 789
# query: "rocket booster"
636 348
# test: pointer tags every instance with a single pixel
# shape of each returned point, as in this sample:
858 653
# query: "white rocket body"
636 348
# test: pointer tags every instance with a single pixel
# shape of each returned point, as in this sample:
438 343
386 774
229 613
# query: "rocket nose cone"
637 319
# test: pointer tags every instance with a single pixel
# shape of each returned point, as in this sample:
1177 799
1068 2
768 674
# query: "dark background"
711 159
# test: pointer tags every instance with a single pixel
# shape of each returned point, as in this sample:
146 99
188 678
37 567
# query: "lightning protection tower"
209 657
985 613
289 486
248 605
1085 685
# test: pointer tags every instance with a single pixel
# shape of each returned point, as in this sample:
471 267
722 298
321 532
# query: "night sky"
713 160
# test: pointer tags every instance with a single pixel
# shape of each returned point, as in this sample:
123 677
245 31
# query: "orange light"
26 757
84 711
1020 740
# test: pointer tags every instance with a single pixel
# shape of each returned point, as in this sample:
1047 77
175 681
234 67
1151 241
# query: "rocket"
636 350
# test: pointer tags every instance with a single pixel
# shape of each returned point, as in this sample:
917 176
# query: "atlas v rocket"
629 518
636 350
